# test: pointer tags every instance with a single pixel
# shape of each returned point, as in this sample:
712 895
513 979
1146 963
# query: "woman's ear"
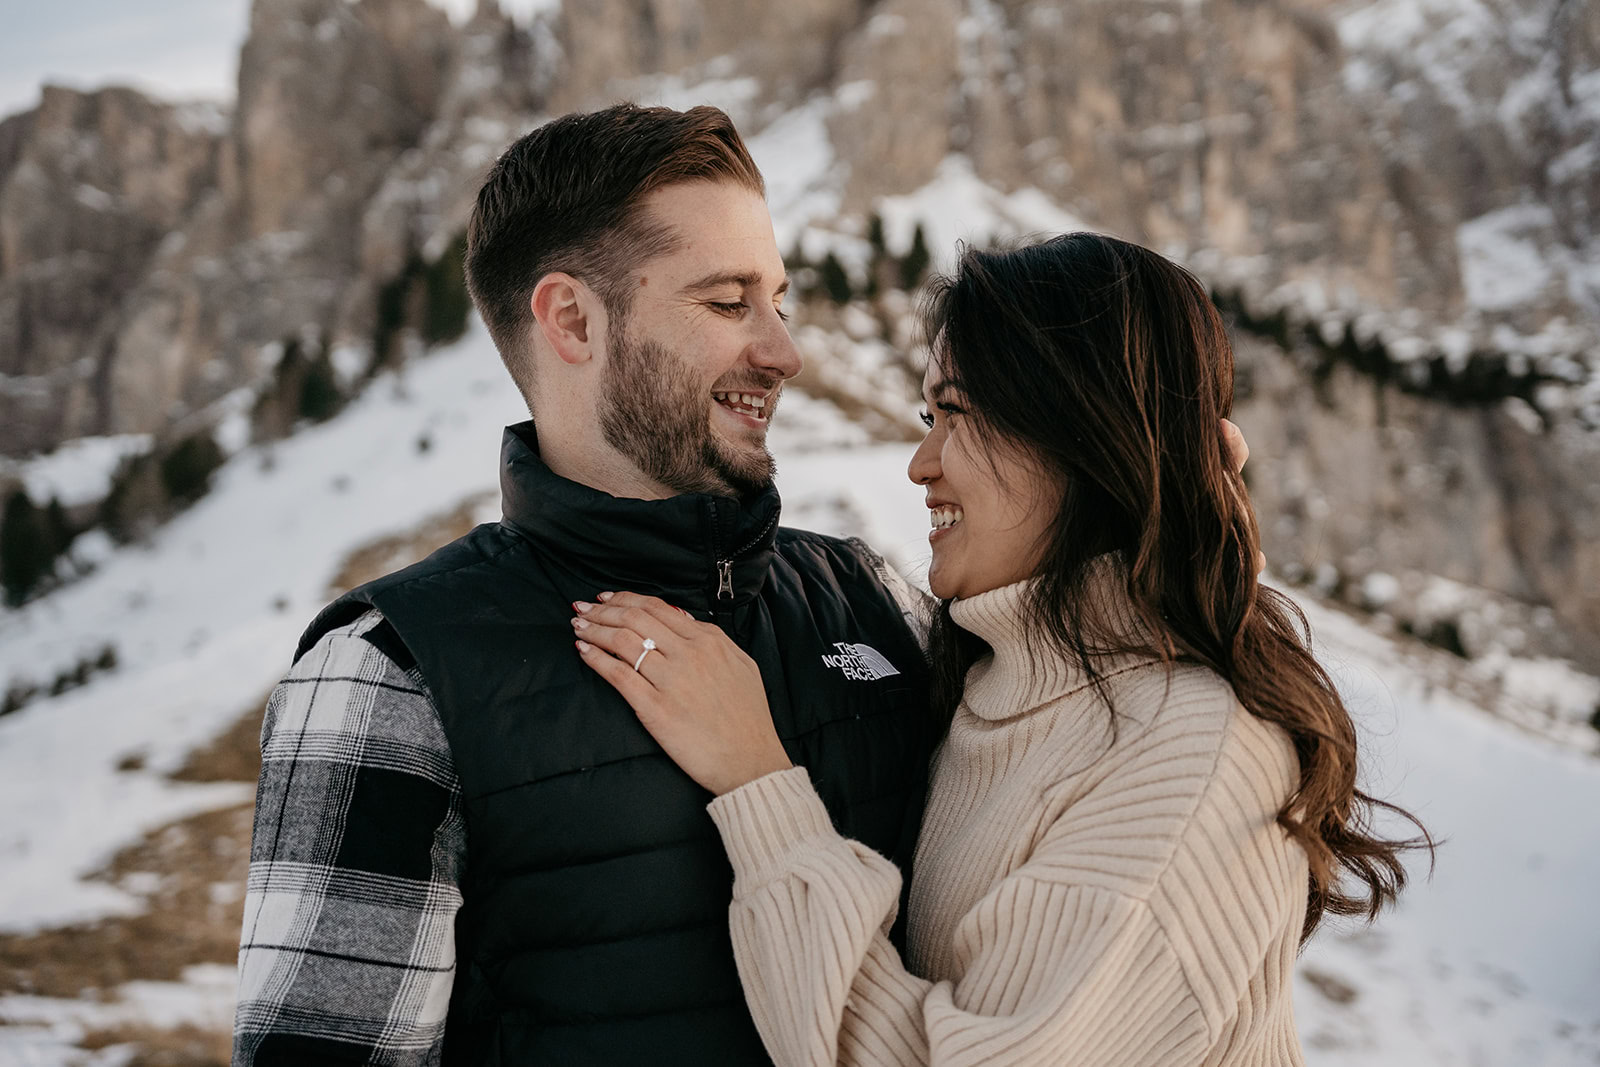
1238 450
565 310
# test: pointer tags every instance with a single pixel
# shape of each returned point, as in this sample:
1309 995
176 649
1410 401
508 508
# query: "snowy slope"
1495 962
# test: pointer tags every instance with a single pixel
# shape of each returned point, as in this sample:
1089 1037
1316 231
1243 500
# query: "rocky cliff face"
1373 495
149 252
1397 198
1390 156
90 187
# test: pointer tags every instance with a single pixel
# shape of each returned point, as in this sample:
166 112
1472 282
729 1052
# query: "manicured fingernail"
580 624
584 646
581 606
603 597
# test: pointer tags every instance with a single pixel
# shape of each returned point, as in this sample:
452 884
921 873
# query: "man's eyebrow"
742 279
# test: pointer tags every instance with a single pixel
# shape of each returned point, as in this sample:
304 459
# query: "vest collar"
684 549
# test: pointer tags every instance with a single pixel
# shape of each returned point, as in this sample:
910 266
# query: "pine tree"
320 398
445 317
59 528
186 470
875 236
26 555
914 265
835 282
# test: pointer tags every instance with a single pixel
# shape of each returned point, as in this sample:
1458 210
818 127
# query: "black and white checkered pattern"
348 948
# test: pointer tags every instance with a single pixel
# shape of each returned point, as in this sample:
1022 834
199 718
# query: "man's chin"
744 470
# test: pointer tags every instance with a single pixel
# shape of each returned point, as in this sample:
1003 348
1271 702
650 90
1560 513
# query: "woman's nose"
924 466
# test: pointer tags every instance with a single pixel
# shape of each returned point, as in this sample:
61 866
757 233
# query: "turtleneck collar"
673 548
1024 673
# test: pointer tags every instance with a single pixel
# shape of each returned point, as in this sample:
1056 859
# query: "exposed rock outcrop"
1353 478
1388 156
1410 185
91 185
148 252
790 48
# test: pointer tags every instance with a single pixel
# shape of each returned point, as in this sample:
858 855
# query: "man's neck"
599 466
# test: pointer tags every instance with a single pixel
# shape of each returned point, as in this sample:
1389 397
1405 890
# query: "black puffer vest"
594 928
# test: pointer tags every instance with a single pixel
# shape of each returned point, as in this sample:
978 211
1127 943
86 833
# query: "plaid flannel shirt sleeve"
348 949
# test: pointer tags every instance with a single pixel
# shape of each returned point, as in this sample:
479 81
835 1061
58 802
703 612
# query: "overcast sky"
174 49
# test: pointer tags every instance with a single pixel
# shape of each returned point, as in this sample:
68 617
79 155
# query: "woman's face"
990 513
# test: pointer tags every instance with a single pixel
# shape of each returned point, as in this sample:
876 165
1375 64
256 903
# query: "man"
466 847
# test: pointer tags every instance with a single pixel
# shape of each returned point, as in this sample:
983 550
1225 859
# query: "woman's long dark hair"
1111 365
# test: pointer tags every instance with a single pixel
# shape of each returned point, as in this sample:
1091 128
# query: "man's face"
696 364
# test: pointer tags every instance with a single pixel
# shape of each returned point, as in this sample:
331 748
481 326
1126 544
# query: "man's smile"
751 410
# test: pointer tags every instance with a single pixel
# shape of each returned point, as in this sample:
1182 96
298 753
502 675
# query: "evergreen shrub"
835 282
915 263
27 549
186 470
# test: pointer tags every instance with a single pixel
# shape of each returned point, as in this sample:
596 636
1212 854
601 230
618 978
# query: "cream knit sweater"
1079 898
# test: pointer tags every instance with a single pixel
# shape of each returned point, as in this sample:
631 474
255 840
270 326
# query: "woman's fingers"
633 686
621 642
646 615
700 696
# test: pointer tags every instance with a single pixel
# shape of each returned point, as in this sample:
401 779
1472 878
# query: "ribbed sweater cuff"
763 820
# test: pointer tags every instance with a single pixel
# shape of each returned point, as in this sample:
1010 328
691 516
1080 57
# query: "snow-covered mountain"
1395 199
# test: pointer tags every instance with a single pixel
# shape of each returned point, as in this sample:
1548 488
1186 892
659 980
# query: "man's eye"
731 310
927 420
783 316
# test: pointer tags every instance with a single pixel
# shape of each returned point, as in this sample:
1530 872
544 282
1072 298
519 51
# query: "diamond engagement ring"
649 647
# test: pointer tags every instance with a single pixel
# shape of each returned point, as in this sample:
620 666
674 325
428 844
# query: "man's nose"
776 351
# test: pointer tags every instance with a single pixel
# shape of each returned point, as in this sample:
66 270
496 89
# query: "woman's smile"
944 518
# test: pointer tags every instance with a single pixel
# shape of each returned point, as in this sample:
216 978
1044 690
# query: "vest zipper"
725 566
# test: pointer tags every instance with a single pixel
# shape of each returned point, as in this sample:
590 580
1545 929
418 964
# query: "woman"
1146 798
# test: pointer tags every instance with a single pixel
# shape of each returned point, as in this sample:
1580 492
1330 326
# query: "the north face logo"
860 663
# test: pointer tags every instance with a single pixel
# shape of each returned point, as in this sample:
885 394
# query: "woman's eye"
927 420
952 409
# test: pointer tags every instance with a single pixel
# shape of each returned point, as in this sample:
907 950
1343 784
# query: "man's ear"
567 313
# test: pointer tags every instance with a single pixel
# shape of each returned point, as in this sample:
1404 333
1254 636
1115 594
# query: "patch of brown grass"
233 756
192 916
184 1046
1330 986
401 550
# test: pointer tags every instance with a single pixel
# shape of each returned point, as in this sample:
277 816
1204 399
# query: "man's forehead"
722 234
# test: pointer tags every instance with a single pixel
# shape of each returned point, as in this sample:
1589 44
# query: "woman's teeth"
751 404
945 517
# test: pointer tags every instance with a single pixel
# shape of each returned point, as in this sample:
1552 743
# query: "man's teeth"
945 517
752 402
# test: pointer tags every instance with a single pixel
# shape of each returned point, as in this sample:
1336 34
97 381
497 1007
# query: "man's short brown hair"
567 197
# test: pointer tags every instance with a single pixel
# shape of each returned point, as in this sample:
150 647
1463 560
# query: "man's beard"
653 413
